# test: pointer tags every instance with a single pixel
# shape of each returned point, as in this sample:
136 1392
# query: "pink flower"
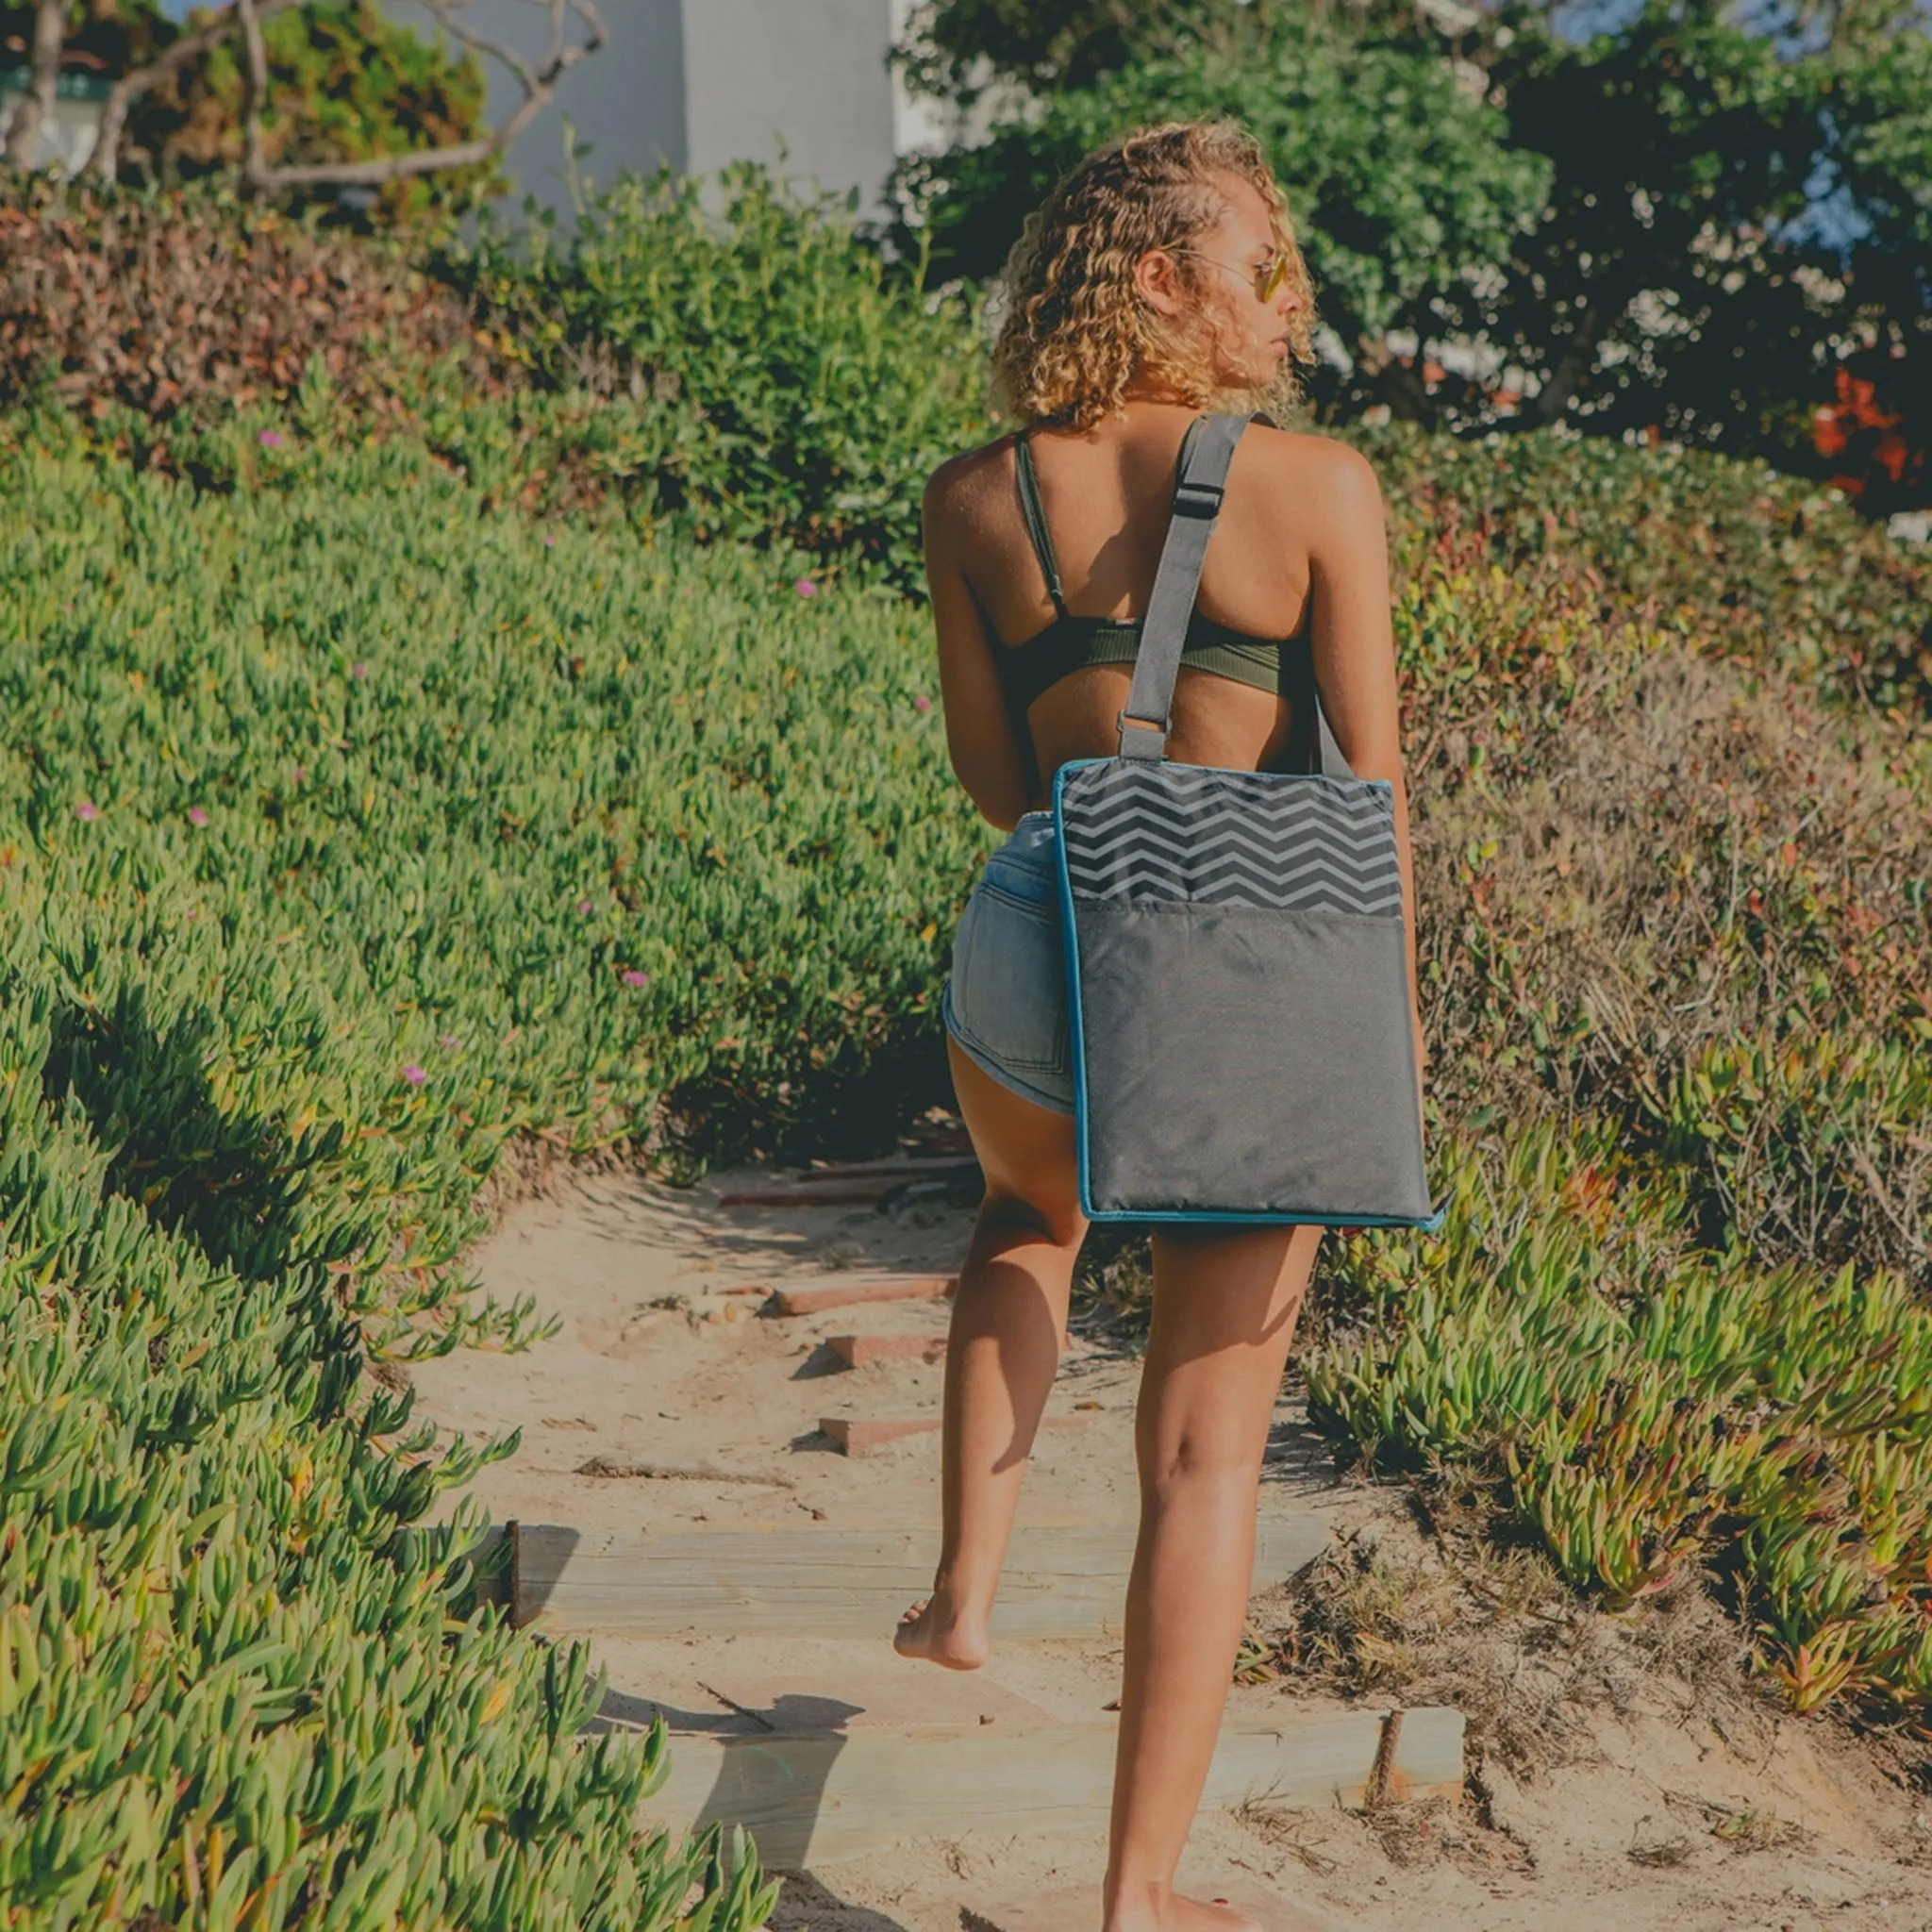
550 541
633 977
271 439
359 672
87 809
805 587
301 776
414 1075
921 703
583 906
196 816
448 1042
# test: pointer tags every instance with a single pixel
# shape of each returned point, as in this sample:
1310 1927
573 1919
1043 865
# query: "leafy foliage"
1650 1404
188 305
1685 899
1399 179
1727 220
798 390
345 83
951 47
108 38
1691 223
1673 943
1730 557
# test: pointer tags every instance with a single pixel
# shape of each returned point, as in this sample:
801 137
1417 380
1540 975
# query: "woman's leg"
1009 1323
1224 1308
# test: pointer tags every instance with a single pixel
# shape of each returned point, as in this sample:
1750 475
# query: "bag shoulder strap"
1205 454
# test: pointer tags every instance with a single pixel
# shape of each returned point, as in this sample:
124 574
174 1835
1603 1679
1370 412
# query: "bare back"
1284 526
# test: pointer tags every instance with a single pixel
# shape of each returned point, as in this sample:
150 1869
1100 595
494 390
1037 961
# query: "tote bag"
1235 956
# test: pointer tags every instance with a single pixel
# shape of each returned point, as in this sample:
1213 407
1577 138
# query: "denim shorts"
1006 1000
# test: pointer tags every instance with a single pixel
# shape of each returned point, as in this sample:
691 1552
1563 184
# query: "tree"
300 95
1403 187
950 46
1734 214
1705 221
1681 146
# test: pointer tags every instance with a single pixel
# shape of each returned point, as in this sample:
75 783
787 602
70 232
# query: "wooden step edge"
832 1194
1065 1580
918 1168
809 1798
854 1351
851 1292
858 1436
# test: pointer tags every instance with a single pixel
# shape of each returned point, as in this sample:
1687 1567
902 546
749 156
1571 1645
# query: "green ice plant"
344 838
1649 1404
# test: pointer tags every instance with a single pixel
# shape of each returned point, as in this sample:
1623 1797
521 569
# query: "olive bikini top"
1071 643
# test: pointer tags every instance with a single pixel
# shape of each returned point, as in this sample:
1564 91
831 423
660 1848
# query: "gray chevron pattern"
1275 841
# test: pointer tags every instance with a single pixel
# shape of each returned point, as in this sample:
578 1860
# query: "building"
803 85
694 84
67 136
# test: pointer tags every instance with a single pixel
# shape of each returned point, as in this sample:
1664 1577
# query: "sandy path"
1639 1828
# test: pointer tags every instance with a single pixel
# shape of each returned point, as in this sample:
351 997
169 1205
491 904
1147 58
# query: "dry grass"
1464 1613
1686 862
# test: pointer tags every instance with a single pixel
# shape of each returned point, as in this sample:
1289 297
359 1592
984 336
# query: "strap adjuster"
1142 739
1193 499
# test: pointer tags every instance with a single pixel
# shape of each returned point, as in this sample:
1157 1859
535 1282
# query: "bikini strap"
1034 514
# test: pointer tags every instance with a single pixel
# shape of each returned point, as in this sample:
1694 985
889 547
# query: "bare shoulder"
1326 481
959 494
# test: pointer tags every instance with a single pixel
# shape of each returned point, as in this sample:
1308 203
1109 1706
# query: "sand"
1677 1797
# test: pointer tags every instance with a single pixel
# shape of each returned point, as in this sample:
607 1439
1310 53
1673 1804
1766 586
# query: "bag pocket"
1247 1060
1007 994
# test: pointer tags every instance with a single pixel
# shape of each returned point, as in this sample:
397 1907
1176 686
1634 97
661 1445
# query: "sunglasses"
1269 276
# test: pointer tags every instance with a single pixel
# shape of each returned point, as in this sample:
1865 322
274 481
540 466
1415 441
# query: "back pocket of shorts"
1009 989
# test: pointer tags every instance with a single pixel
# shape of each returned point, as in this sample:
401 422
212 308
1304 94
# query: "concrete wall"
808 74
697 83
67 139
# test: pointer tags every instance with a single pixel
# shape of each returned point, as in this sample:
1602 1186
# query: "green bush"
757 373
184 305
1727 557
799 390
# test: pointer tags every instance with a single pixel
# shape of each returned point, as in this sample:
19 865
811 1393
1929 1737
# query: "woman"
1159 280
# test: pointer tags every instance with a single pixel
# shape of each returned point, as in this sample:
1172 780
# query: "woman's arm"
992 762
1354 646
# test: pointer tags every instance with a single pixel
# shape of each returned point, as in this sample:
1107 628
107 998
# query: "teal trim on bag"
1076 1039
1070 947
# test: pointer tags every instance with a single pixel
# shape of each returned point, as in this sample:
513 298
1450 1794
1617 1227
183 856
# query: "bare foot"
1177 1914
933 1631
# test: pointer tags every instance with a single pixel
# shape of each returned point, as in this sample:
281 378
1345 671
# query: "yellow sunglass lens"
1271 277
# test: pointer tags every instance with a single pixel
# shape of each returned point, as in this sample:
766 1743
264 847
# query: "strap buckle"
1142 739
1195 499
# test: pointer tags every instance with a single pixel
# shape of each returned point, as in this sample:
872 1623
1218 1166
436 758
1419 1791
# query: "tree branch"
254 88
106 162
44 72
538 84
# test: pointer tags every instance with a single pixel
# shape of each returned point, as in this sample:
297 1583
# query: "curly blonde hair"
1075 333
